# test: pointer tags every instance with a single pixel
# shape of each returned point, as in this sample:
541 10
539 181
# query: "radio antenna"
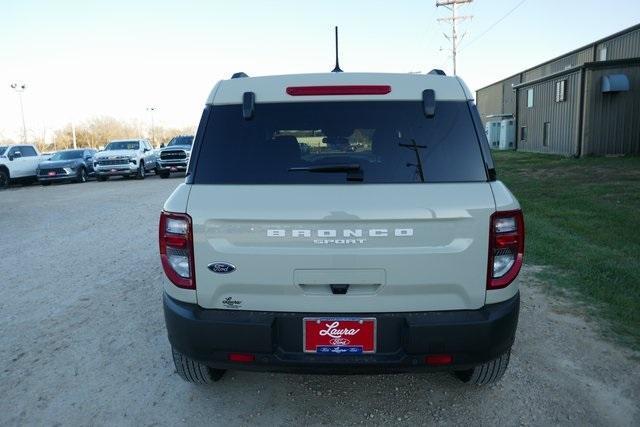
337 69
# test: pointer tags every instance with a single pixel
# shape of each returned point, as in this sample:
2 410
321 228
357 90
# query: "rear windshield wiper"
353 170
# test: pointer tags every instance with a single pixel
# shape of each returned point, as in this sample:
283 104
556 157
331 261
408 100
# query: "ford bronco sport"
341 223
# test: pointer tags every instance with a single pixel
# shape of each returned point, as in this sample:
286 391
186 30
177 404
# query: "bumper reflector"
438 359
241 357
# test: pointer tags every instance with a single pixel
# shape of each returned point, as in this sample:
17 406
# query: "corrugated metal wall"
572 60
622 47
611 120
562 116
509 95
499 98
489 100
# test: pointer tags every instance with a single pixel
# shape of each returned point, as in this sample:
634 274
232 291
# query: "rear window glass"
295 143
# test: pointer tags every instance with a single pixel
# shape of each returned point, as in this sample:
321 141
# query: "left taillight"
176 249
506 248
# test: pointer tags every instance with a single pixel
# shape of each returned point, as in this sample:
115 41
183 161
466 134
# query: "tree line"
96 132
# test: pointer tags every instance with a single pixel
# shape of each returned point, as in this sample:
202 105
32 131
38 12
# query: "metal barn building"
584 102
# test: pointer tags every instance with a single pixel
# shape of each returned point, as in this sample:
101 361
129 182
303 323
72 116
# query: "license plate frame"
339 345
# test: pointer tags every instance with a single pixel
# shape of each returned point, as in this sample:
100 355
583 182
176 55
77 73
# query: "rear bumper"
471 337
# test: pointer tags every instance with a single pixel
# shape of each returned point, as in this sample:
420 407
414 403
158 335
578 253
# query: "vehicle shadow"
279 399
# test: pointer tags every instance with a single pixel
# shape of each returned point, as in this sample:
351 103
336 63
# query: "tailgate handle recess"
339 289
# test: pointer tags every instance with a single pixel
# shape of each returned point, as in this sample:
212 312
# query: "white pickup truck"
125 157
18 162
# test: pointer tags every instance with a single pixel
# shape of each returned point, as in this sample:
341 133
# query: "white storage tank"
507 138
492 130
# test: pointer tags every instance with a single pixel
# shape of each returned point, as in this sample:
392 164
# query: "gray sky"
81 59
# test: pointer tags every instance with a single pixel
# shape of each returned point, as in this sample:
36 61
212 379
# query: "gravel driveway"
82 339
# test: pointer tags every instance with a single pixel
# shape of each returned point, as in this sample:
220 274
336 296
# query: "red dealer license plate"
339 335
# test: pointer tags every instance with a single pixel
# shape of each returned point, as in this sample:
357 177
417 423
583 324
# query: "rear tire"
488 373
195 372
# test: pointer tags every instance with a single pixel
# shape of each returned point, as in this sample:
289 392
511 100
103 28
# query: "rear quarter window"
383 138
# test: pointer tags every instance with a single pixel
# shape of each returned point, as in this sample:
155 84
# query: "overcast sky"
86 58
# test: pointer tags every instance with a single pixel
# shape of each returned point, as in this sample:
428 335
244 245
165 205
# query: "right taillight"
506 248
176 249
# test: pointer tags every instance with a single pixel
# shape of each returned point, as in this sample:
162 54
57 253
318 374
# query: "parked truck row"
125 157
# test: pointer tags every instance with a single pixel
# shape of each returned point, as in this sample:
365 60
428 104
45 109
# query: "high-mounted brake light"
176 249
506 248
338 90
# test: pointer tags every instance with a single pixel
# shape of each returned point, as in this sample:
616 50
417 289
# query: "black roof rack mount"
239 75
438 72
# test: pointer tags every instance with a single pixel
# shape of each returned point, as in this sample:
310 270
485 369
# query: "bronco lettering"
377 232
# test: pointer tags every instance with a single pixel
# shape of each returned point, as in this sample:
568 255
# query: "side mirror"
146 150
10 157
15 155
162 145
87 157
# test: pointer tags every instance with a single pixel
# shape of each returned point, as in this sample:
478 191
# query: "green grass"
583 220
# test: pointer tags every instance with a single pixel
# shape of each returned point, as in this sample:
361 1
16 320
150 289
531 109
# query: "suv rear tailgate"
399 247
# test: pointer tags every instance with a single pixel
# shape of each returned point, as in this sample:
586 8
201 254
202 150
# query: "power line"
453 38
492 25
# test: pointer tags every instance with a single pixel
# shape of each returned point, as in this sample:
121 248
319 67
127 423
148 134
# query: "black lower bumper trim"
471 337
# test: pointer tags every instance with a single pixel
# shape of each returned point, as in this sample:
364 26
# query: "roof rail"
438 72
239 75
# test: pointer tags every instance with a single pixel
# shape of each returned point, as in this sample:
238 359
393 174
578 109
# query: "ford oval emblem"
222 267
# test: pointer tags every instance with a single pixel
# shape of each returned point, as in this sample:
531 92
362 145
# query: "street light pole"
153 128
73 134
19 88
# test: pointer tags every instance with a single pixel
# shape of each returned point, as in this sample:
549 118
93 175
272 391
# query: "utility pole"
153 127
453 38
19 88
